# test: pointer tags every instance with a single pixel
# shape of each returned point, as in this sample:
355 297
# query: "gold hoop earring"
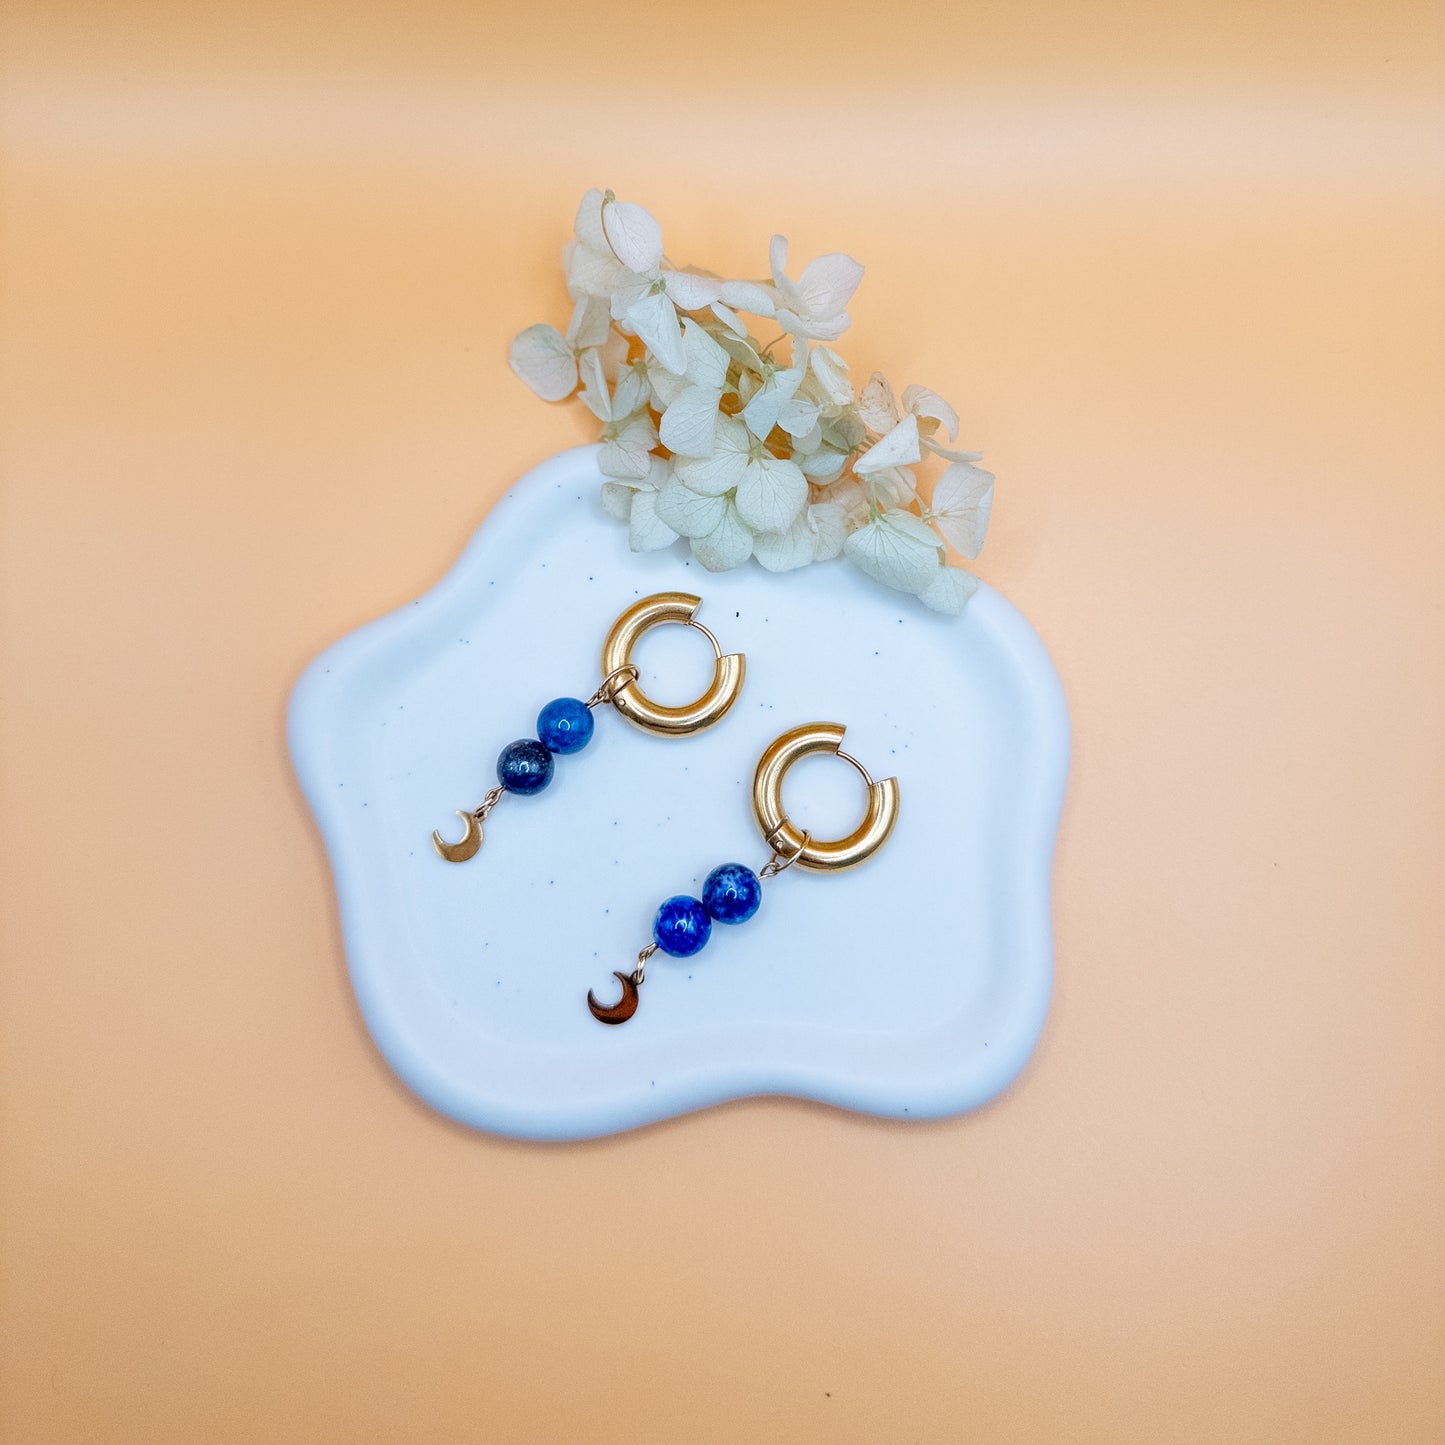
634 704
784 837
732 892
565 725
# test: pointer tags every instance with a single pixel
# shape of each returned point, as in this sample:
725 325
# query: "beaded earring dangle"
732 892
565 725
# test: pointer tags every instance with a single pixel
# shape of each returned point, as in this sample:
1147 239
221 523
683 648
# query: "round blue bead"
525 766
682 926
732 893
565 725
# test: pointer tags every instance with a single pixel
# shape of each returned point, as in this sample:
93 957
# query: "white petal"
689 513
727 465
798 418
845 430
762 412
588 224
646 531
665 387
892 551
832 374
617 500
771 494
634 235
853 500
877 406
689 424
952 456
898 448
893 487
748 296
730 319
728 545
659 473
949 590
795 323
809 441
707 362
692 293
613 353
826 524
828 284
595 396
591 274
626 296
742 350
590 323
962 502
824 462
654 319
923 402
784 551
632 390
628 454
785 294
541 357
778 256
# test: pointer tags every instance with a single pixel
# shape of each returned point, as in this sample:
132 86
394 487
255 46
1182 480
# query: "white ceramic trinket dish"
913 986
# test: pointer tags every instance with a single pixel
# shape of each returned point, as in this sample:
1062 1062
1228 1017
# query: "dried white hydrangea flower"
712 436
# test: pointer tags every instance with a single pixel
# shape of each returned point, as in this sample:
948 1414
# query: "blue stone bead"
525 766
682 926
732 893
565 725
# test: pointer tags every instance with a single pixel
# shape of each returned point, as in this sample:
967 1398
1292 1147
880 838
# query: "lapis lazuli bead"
731 893
525 766
682 926
565 725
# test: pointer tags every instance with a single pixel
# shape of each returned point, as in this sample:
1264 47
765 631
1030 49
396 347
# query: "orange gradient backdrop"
1180 268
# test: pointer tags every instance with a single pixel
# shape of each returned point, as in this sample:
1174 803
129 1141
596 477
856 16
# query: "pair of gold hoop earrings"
732 892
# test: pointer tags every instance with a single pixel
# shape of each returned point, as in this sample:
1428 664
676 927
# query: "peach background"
1180 266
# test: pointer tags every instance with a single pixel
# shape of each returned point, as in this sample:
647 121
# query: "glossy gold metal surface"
466 846
784 837
633 703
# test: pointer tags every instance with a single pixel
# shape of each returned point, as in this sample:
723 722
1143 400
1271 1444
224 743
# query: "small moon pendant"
466 846
623 1009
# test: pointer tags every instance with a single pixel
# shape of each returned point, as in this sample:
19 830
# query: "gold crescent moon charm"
623 1009
468 844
